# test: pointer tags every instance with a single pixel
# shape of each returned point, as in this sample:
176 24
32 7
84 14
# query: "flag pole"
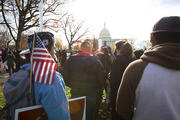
31 75
41 15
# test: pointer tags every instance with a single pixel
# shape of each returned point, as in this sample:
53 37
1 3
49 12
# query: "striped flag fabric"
44 66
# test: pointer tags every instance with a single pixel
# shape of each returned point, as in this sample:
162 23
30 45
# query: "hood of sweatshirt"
167 55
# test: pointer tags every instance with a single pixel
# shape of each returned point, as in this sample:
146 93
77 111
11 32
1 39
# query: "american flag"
44 66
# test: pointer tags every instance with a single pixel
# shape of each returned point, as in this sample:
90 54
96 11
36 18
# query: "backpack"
16 92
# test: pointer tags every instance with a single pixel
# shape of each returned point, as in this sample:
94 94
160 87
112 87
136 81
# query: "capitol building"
105 38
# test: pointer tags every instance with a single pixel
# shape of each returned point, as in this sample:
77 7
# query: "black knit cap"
167 24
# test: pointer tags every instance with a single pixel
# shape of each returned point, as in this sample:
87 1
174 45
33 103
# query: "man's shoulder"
133 73
135 69
137 64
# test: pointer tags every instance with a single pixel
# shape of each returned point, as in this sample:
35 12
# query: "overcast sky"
124 18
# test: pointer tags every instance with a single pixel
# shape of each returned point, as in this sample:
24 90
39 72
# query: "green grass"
103 113
2 101
68 92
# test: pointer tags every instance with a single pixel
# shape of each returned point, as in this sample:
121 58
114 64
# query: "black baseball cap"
167 24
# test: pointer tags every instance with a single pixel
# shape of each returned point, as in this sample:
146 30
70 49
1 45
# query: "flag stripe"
36 49
41 73
34 67
37 60
40 58
39 53
52 71
48 79
43 56
47 71
37 71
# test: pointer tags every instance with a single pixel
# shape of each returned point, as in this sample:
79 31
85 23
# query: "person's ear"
152 40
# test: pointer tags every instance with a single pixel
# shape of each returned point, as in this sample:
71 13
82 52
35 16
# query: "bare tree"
95 44
73 30
22 15
59 43
132 42
5 37
147 44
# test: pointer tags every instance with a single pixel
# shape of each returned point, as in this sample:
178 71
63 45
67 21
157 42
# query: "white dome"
104 34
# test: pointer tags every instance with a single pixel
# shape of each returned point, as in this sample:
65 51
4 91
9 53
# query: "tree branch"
14 14
83 34
32 25
8 26
18 5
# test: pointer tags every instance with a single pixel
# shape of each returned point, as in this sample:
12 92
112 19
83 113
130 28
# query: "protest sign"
77 108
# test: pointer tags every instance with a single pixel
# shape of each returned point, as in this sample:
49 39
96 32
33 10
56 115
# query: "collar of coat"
83 54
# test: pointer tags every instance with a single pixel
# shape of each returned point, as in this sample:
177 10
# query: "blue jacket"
52 97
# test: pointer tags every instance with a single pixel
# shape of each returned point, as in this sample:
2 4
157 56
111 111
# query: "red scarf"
83 54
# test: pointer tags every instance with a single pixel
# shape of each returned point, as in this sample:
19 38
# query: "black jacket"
117 69
84 74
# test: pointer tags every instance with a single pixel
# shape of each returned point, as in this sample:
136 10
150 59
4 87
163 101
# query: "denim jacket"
52 97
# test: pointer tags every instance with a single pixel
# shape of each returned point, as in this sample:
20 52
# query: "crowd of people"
138 85
10 60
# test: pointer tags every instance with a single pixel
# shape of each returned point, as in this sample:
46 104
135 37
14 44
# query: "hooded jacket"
150 86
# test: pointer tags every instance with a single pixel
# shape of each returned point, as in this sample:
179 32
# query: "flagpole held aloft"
31 75
41 15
